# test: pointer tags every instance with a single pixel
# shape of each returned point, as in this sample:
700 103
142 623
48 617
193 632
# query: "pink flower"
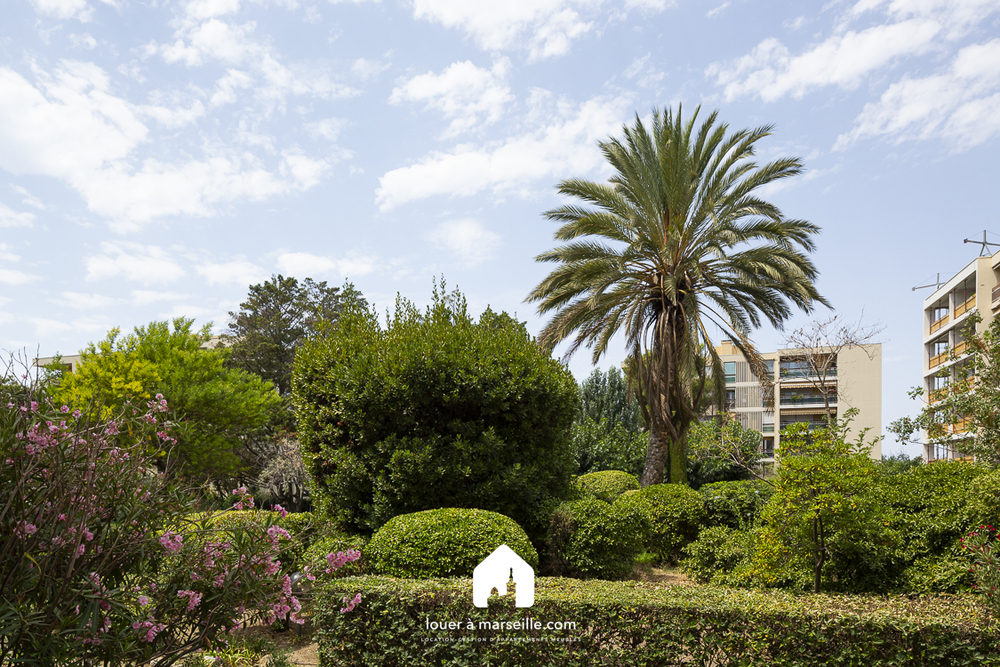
64 408
194 598
171 541
351 605
143 601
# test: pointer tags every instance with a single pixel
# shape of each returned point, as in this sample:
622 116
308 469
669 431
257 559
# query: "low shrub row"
433 622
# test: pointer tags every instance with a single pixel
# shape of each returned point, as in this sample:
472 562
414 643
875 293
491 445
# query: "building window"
730 399
767 448
730 368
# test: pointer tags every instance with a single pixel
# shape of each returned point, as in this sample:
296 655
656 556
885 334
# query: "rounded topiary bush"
716 553
607 485
591 539
735 504
673 514
446 542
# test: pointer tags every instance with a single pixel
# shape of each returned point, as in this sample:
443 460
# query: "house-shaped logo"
494 572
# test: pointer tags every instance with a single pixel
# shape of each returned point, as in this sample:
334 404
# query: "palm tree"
677 239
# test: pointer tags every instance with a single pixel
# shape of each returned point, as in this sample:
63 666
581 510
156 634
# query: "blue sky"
157 158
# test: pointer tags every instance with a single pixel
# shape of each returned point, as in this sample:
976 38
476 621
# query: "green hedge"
629 624
607 485
447 542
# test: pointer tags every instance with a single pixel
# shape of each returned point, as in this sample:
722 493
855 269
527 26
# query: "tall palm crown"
675 240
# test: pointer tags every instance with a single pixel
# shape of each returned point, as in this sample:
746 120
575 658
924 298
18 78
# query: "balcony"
965 306
767 428
795 400
794 373
996 294
962 425
961 348
937 324
812 425
937 360
938 395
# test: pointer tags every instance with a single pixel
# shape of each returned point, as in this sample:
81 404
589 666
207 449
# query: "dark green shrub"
715 555
673 514
632 624
591 539
735 504
443 543
946 573
433 410
607 485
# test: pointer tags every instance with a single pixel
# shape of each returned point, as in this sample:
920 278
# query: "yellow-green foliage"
673 514
607 485
302 527
628 624
447 542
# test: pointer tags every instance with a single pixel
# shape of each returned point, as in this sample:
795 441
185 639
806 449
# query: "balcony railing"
962 425
961 348
937 359
806 399
937 324
996 294
965 306
938 394
768 428
805 372
812 425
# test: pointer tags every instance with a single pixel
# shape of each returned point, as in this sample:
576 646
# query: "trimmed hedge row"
433 622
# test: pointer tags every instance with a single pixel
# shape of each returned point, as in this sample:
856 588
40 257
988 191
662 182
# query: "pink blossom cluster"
194 598
338 560
243 499
350 605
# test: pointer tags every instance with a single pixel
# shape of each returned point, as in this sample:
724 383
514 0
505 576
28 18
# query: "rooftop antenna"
936 285
985 251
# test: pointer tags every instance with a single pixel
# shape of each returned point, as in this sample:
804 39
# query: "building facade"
851 378
974 289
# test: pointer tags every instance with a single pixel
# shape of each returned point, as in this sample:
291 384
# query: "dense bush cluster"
671 515
447 542
590 538
433 410
607 485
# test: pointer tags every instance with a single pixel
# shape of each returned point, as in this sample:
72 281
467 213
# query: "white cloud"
71 127
467 94
11 218
134 262
227 86
906 28
145 297
6 255
771 71
64 9
328 128
308 265
960 105
564 143
15 277
85 41
364 69
235 272
27 197
718 10
545 28
467 239
83 301
46 327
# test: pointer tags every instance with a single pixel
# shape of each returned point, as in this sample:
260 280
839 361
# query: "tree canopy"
215 407
676 241
277 317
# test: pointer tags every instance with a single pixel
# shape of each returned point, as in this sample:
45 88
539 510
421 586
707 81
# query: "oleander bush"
672 515
331 543
607 485
590 538
302 527
625 624
447 542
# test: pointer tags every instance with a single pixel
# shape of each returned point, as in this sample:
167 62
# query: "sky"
158 158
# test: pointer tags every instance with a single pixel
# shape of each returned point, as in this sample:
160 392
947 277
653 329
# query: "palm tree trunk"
678 473
656 459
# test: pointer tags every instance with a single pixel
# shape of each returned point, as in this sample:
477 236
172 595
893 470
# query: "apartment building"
851 377
976 288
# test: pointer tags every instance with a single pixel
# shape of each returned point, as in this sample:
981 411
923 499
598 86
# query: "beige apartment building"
852 379
976 288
